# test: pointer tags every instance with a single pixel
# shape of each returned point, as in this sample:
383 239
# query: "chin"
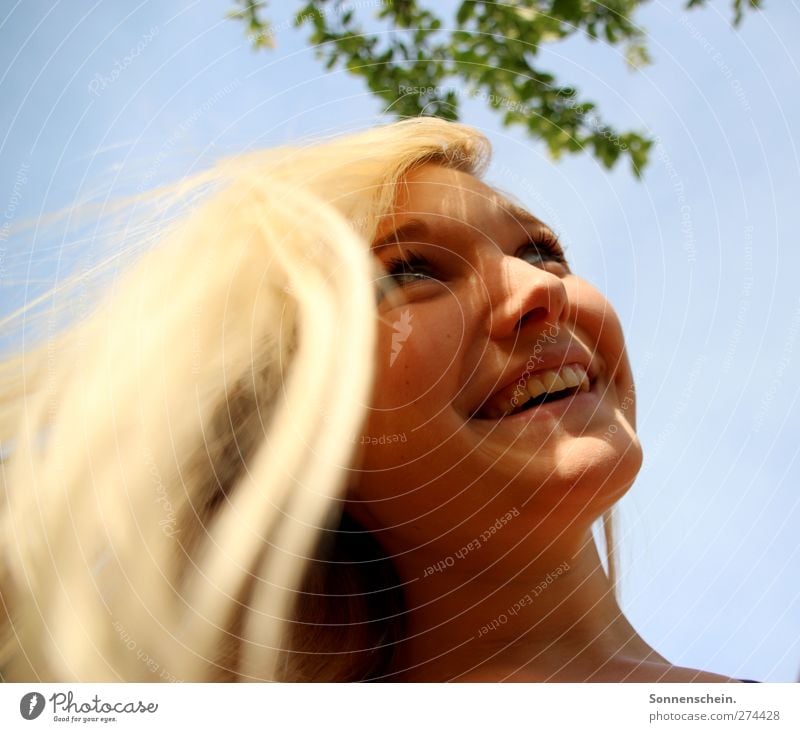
589 475
603 469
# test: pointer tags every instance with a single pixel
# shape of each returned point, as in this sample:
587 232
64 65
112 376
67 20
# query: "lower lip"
581 400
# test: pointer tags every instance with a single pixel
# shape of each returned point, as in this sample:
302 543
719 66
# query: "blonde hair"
170 490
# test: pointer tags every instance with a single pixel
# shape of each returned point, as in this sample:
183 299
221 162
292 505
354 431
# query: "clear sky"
700 258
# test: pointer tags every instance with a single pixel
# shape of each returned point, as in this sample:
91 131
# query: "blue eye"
411 268
542 249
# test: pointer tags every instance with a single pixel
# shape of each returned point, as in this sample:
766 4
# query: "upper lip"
533 364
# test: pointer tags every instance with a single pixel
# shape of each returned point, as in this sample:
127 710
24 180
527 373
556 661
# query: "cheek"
419 360
418 357
594 316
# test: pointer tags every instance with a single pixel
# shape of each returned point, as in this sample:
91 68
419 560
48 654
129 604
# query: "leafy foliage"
489 49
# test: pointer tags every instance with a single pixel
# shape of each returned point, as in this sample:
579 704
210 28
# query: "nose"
522 293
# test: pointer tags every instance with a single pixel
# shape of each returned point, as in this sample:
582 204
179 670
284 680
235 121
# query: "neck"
548 613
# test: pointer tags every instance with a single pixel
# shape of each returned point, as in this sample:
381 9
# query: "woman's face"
502 379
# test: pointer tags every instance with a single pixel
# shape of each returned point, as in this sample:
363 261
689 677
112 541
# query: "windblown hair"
176 458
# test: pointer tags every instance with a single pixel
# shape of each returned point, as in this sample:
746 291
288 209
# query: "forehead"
435 189
449 198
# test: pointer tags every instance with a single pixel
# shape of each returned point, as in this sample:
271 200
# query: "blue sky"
700 258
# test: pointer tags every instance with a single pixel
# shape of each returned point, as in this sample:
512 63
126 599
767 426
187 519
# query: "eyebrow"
413 229
416 229
520 215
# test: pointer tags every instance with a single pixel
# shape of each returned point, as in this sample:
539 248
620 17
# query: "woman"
225 470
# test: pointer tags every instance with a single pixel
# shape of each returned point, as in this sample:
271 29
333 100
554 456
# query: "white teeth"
536 387
554 380
520 396
581 378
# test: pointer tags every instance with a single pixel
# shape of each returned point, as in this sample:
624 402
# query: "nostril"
532 315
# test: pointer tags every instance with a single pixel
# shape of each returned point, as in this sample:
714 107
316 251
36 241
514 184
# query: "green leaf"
465 12
491 52
304 14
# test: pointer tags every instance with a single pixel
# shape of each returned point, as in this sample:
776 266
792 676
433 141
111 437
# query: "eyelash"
547 246
400 266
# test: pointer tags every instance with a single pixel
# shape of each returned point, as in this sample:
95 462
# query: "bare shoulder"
666 673
647 672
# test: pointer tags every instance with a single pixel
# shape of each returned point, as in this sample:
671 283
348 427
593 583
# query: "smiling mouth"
534 390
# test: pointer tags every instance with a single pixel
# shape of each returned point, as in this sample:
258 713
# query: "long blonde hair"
170 492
